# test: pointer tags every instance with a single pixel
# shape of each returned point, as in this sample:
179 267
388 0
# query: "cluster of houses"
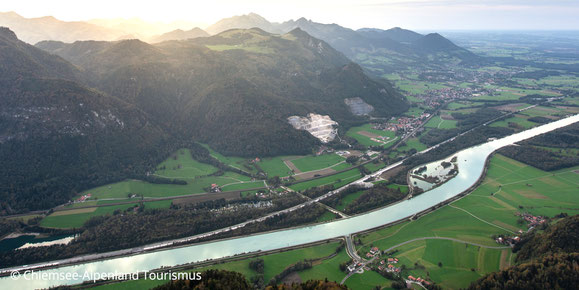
270 192
373 252
507 240
83 198
215 188
352 267
402 124
417 280
531 219
388 266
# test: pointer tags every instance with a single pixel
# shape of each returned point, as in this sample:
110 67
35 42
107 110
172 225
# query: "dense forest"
557 271
562 237
378 196
465 122
236 100
210 279
550 151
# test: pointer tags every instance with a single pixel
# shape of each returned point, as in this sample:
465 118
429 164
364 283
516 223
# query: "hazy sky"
412 14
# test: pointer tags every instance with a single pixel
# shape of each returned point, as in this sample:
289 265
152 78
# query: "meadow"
367 141
509 187
310 163
440 123
337 180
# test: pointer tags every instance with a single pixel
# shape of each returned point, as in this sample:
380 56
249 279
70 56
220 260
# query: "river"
471 162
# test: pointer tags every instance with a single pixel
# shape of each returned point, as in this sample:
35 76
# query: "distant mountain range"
179 34
33 30
405 48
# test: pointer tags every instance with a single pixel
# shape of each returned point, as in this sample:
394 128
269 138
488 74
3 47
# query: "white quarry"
320 126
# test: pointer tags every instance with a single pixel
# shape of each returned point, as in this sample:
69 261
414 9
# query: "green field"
327 216
235 162
197 185
412 143
458 261
337 180
367 141
460 105
374 166
181 165
475 218
518 119
344 202
310 163
438 122
70 219
274 166
418 87
506 93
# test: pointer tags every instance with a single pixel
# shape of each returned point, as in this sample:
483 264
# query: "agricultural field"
507 93
235 162
327 216
374 166
460 263
275 166
310 163
412 143
123 189
414 111
508 188
364 134
418 87
182 166
440 123
460 105
519 119
77 217
337 180
344 202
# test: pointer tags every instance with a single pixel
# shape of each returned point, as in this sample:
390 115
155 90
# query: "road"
351 250
444 238
331 209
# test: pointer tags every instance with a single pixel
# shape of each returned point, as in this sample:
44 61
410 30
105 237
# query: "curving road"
444 238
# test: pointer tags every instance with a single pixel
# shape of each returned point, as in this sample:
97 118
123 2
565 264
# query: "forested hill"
58 136
122 107
547 260
236 89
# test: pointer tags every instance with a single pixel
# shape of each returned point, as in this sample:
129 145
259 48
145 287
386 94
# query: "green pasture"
337 180
310 163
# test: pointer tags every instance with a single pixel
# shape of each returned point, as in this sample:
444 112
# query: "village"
386 267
